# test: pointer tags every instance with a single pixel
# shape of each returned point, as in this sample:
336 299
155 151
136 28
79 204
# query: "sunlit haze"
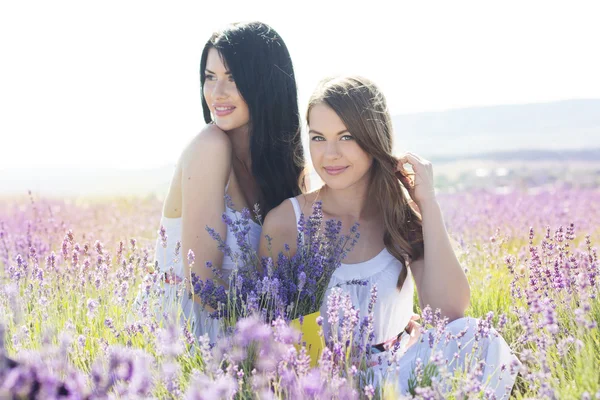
115 84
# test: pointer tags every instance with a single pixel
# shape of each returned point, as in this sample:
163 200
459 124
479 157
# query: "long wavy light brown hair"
362 108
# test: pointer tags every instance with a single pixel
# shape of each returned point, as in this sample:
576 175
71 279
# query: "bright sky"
116 84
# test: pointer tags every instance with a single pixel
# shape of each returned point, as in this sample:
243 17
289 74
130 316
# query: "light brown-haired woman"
403 237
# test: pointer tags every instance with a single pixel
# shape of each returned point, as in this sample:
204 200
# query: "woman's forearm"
444 283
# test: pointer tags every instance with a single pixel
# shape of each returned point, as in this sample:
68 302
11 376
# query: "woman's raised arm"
440 279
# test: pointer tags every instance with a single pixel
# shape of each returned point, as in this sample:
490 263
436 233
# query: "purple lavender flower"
92 305
301 280
99 247
191 257
162 233
204 388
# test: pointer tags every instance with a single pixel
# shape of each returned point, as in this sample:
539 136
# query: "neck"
240 142
352 201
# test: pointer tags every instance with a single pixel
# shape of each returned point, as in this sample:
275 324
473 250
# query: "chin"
228 125
337 184
342 182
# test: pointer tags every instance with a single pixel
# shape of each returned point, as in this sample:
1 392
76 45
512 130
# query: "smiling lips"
221 111
334 170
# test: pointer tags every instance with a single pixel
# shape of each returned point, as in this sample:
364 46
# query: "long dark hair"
262 68
362 108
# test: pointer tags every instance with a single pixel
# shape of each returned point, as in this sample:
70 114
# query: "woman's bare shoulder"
279 228
210 147
280 220
208 140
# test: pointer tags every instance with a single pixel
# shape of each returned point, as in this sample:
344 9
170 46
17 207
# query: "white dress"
199 319
392 313
383 270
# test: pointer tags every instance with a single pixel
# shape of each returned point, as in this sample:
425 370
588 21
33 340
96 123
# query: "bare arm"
440 279
206 165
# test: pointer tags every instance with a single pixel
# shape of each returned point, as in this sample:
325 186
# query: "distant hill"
533 133
583 155
570 124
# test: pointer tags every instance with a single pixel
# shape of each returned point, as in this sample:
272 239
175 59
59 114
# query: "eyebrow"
210 72
319 133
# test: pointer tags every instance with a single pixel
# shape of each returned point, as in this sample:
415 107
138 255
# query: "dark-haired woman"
250 150
402 245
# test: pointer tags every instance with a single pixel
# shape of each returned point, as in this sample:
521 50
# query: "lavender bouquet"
305 275
291 287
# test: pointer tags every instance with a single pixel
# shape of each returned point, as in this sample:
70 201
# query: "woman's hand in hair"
419 183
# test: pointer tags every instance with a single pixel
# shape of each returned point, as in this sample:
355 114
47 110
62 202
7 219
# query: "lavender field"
70 326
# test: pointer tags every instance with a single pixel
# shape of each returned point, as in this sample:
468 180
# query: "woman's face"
228 108
337 158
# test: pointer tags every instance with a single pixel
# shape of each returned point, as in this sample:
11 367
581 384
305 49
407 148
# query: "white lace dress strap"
297 209
298 212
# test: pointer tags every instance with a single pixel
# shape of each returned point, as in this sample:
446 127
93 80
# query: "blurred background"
99 99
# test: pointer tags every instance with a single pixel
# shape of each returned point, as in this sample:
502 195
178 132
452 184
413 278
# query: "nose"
219 90
332 152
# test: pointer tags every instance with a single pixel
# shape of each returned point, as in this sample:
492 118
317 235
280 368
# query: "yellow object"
310 334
